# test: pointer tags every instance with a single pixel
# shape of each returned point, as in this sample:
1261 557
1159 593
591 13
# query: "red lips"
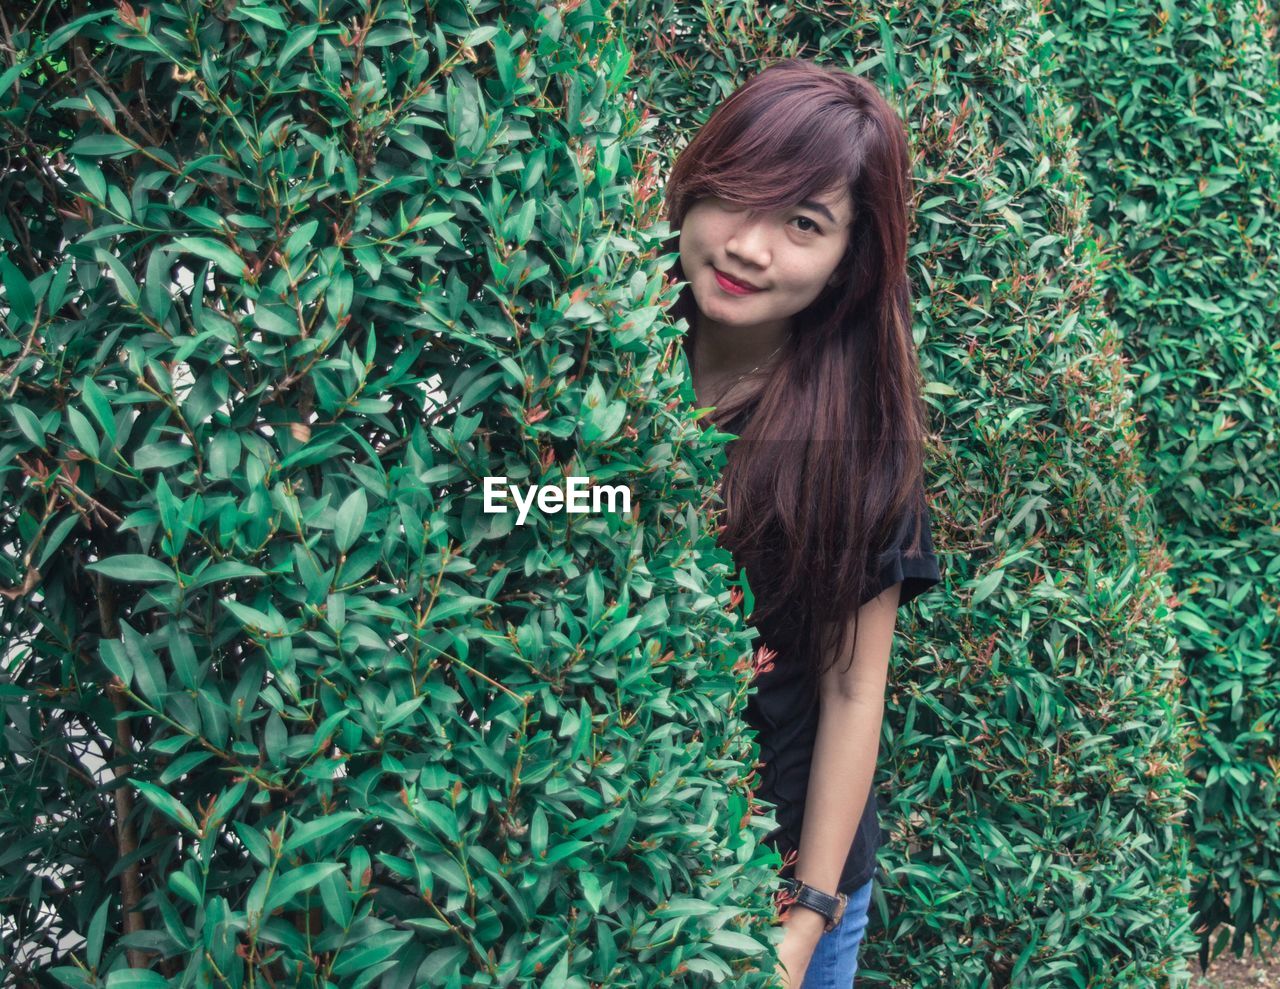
731 284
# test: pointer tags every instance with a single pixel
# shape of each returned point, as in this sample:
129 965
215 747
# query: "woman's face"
789 256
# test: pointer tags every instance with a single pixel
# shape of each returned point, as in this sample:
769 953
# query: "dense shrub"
282 703
1176 111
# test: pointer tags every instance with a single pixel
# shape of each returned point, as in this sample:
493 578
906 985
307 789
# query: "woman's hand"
801 930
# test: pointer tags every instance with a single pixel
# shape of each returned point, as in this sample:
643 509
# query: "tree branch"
126 835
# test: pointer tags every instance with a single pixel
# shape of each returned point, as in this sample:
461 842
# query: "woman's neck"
724 357
721 351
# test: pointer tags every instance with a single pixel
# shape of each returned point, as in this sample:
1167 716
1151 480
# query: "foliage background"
1091 314
1176 113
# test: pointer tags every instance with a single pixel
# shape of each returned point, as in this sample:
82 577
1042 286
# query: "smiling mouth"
742 286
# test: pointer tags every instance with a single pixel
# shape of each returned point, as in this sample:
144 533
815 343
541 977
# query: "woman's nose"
749 240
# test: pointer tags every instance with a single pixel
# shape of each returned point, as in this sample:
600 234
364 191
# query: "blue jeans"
835 959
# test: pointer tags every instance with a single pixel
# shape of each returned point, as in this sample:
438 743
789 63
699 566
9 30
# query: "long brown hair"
831 462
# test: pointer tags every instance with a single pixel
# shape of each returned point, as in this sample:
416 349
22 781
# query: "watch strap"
831 907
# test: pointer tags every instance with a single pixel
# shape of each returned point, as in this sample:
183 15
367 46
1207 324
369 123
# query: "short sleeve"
917 573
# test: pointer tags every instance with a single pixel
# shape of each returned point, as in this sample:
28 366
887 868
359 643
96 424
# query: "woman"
792 208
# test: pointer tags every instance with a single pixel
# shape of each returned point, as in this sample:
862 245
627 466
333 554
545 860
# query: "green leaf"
367 976
213 250
123 278
227 801
226 570
736 941
251 617
157 456
987 585
402 711
300 880
184 764
55 539
299 39
538 832
155 291
255 842
115 659
183 885
264 15
1192 621
559 974
371 951
67 31
135 978
337 900
449 607
268 319
95 183
69 975
301 239
82 429
274 737
101 146
183 655
147 670
350 520
683 906
337 299
96 399
370 259
617 634
591 891
170 744
28 424
312 830
17 291
479 35
436 967
167 804
97 930
134 568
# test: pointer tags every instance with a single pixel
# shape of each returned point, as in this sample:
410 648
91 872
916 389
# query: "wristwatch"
831 907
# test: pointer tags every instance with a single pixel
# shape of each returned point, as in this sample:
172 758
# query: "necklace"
738 380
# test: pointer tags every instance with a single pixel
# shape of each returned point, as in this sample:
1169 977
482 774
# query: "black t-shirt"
785 718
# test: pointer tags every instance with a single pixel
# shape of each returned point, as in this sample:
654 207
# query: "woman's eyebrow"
818 208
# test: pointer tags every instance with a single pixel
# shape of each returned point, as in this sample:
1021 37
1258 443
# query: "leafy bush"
1176 111
283 703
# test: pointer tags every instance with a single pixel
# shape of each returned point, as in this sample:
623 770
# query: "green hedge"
1031 765
282 705
1179 143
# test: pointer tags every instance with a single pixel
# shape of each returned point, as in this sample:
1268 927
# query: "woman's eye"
814 226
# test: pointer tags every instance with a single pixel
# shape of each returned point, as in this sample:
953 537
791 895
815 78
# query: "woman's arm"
844 762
